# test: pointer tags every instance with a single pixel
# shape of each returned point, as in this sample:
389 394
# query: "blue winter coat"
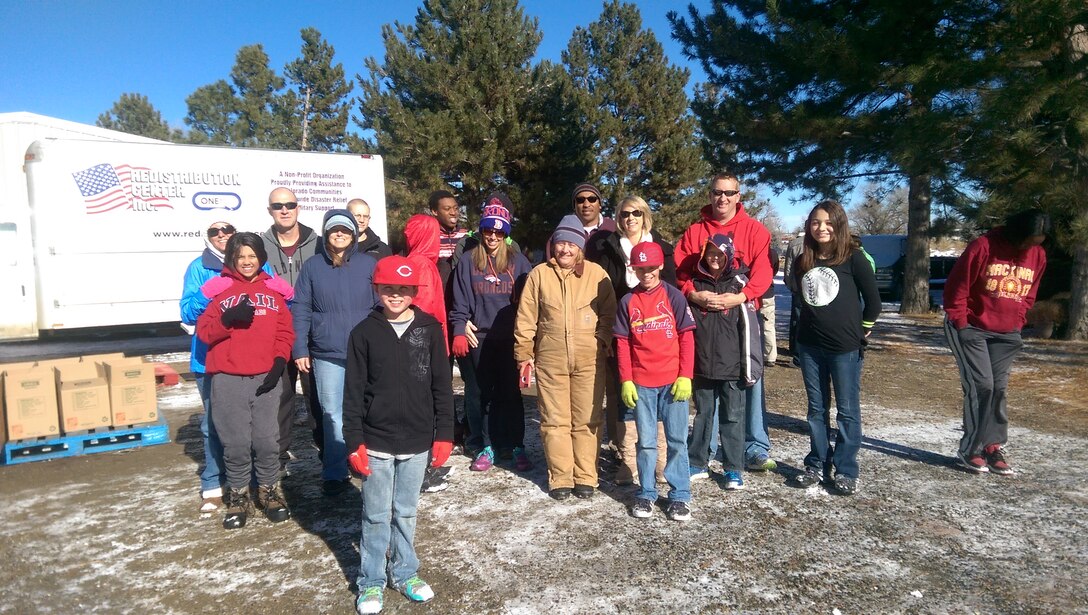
193 302
329 301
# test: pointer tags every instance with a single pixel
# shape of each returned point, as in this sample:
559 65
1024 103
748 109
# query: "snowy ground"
119 532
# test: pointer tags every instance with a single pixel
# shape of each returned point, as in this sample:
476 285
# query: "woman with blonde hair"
634 225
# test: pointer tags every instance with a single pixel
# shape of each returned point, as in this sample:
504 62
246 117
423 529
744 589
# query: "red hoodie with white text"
246 351
751 240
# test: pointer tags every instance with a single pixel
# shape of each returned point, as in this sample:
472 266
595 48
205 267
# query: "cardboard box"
30 402
102 358
83 397
132 391
53 363
17 367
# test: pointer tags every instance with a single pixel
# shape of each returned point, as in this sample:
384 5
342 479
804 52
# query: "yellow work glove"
681 389
628 394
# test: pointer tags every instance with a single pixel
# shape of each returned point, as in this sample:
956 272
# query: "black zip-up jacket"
398 392
728 345
371 244
607 252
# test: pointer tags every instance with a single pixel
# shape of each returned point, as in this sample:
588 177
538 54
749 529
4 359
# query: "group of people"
616 317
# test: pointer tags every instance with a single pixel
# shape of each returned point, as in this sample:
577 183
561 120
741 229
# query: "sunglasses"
718 193
216 230
634 212
491 231
582 199
278 206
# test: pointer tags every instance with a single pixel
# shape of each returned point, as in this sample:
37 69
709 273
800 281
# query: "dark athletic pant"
247 427
984 359
286 412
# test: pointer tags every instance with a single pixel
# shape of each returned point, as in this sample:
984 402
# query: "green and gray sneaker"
369 601
417 590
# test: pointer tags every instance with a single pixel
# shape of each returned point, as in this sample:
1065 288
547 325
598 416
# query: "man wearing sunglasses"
725 214
289 244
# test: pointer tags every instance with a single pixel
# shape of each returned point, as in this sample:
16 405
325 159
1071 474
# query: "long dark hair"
840 242
240 240
1027 223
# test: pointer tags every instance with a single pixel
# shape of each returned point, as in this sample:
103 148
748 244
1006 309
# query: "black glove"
273 376
239 315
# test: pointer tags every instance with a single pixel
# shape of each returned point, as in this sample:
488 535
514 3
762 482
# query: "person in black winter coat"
728 361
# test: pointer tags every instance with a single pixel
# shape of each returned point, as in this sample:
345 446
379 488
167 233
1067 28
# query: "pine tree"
264 112
1030 144
635 107
815 95
213 110
456 104
322 94
134 114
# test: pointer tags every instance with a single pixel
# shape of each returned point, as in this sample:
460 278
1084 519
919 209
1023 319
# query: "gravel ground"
120 533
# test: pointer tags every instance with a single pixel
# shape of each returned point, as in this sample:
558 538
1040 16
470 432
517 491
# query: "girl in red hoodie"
986 297
249 334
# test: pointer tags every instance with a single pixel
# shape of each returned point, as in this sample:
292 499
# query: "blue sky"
73 59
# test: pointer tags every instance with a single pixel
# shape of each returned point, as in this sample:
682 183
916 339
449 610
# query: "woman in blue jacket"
334 292
485 284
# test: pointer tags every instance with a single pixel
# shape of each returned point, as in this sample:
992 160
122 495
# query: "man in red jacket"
986 298
751 240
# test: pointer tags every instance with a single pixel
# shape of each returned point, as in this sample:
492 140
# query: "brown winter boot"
239 507
270 500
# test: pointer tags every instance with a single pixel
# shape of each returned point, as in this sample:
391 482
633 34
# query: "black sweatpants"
984 359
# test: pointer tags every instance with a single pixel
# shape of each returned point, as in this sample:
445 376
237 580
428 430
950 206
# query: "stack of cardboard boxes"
51 398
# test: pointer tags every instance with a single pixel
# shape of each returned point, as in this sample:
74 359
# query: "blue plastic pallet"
85 443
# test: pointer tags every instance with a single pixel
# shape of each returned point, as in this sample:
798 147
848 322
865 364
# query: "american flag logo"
105 187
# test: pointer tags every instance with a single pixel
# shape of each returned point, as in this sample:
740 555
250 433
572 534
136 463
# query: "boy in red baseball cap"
398 413
655 350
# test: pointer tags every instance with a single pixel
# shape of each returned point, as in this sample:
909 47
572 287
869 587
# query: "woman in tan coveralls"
564 329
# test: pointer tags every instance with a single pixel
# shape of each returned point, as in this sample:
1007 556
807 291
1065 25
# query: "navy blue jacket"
480 296
330 301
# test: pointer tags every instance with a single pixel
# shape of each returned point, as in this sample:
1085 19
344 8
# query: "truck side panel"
115 224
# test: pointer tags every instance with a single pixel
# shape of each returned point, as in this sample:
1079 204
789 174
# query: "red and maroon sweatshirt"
993 284
751 241
246 351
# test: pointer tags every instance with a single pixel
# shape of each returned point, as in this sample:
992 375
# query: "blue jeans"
656 404
822 371
390 496
211 477
719 411
756 439
329 374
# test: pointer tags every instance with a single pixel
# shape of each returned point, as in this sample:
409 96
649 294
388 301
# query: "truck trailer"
107 228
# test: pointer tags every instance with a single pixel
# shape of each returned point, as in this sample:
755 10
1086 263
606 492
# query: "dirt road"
119 532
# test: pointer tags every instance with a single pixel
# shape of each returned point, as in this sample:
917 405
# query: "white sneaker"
369 601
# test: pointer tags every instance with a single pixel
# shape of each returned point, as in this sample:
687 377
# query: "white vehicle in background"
104 229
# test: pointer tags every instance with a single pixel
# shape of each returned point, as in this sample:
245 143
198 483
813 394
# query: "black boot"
271 502
239 507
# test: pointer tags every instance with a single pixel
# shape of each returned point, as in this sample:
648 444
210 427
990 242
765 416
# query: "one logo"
819 286
404 271
106 187
498 224
208 201
642 257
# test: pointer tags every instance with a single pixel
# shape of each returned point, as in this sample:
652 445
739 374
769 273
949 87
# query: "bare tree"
882 212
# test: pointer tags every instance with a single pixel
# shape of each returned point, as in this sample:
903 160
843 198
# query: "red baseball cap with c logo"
396 270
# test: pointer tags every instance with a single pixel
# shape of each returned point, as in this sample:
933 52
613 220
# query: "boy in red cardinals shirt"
655 350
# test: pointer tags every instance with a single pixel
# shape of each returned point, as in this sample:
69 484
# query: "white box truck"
107 228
